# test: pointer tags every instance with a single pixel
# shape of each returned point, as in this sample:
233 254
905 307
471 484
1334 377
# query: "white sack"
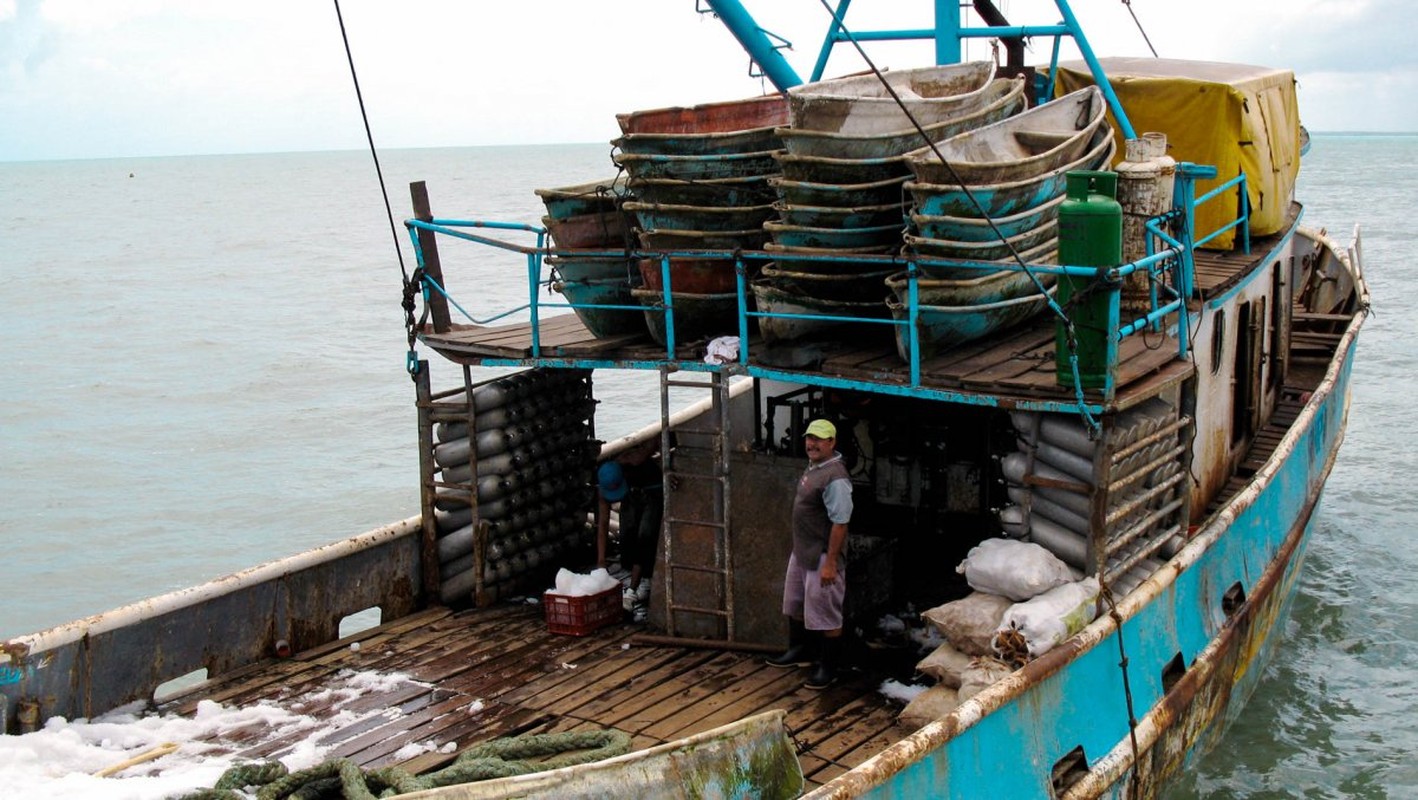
928 706
1054 615
944 664
1017 570
969 624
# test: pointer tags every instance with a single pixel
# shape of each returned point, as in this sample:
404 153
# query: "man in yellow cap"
816 581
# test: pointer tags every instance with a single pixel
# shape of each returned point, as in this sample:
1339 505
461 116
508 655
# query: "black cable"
383 190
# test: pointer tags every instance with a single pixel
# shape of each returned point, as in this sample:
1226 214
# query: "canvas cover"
1232 116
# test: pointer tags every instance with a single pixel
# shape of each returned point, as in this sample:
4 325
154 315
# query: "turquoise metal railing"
1170 243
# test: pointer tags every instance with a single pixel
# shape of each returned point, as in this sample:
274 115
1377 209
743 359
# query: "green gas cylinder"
1090 235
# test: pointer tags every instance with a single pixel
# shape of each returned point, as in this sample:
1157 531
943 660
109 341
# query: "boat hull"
1256 541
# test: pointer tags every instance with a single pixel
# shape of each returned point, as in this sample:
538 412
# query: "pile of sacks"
1025 602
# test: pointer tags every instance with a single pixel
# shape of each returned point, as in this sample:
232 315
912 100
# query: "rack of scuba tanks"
506 481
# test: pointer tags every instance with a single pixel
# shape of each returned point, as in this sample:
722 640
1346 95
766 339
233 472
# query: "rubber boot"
799 646
824 672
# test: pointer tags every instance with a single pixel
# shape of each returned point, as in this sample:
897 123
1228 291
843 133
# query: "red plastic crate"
580 615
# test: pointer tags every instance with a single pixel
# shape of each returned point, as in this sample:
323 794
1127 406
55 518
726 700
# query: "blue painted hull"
1002 743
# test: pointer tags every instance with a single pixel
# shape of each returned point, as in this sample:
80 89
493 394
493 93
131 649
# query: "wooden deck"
477 675
1017 365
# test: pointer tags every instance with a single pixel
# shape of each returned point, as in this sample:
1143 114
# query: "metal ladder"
721 561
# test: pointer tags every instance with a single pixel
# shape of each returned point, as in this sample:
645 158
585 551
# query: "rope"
1093 426
340 777
411 283
1106 592
1138 23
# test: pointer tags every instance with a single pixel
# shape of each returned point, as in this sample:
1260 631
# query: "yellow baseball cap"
822 429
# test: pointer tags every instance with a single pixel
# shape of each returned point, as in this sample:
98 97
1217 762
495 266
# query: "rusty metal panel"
90 666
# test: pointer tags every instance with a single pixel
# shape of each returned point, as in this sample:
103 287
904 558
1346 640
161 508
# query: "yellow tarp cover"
1232 116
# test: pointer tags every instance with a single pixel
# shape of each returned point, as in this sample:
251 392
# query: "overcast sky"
105 78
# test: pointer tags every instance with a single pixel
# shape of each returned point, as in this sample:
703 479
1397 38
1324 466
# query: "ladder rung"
717 612
688 384
699 476
704 522
698 432
699 568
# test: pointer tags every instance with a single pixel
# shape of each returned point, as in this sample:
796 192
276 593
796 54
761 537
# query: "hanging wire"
411 283
1138 23
1094 428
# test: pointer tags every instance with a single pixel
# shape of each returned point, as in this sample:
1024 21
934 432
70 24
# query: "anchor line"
1093 426
1138 23
1106 592
411 283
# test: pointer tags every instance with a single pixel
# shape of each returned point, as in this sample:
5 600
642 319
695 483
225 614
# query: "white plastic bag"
1053 616
1017 570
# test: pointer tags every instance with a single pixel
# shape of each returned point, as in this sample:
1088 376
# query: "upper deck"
1015 368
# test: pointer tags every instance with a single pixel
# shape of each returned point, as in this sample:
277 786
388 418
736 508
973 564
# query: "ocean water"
204 370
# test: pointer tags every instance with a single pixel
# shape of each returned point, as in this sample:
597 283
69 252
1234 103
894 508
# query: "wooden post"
428 540
428 244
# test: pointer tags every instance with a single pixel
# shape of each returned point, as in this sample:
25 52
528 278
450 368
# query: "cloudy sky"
106 78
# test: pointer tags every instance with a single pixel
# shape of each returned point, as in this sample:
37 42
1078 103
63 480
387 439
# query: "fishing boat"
1165 463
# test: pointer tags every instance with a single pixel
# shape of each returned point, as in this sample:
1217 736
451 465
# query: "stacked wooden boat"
700 175
590 216
840 195
993 194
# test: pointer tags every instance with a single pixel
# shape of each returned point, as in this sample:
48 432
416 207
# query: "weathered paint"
1004 742
93 665
752 757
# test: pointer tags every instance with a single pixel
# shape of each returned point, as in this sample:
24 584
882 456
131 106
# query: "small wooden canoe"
868 285
974 229
698 167
656 216
583 198
682 239
1024 146
816 169
1003 199
700 144
766 111
582 268
940 328
587 297
826 316
748 190
802 236
693 275
861 104
1044 253
696 316
597 229
849 217
809 193
829 260
982 251
1003 98
984 287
